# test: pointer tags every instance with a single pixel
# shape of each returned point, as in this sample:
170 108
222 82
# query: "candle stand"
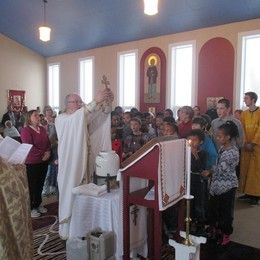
190 246
187 241
189 249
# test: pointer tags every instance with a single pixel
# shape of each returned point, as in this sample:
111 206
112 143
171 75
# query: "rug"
48 245
46 219
46 241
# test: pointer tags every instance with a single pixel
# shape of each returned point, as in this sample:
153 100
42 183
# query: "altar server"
250 154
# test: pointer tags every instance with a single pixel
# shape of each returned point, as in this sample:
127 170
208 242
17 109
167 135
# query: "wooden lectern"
144 165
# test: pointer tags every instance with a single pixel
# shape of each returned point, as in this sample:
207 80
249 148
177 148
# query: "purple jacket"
40 142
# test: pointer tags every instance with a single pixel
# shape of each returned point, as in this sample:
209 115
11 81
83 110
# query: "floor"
246 224
246 233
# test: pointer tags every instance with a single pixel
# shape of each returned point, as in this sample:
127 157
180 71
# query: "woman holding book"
37 159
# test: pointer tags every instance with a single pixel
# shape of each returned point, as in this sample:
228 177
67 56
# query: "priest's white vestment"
81 136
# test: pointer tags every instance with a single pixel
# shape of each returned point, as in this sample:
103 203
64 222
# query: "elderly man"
83 130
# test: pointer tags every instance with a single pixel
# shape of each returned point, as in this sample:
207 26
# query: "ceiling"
85 24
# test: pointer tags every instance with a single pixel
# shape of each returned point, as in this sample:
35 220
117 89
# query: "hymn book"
13 151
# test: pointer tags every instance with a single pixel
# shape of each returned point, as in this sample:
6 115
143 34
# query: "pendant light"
150 7
44 31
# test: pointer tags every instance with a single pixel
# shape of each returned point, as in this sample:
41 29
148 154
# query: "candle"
188 167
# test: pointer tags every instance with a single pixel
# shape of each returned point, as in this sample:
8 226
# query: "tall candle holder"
188 197
187 240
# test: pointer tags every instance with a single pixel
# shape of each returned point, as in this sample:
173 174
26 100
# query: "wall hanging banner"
16 98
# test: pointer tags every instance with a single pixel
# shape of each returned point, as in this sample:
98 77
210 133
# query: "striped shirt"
224 176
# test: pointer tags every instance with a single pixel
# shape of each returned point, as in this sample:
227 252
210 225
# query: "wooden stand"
145 168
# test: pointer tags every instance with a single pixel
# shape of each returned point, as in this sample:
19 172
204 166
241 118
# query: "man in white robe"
83 131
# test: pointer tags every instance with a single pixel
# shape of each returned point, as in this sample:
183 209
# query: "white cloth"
105 212
90 189
75 145
171 173
11 132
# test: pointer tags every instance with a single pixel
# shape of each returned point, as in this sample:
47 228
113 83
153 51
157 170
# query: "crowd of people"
217 141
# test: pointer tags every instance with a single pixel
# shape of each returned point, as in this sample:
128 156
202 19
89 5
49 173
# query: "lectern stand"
144 165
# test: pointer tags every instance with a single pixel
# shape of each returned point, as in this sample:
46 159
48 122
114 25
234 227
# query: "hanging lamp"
150 7
44 31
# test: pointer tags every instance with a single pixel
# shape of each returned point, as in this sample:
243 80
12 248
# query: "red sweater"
184 129
40 142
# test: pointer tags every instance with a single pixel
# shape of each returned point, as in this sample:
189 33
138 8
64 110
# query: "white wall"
21 69
106 57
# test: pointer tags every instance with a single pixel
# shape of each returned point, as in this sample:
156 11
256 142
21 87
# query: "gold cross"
105 81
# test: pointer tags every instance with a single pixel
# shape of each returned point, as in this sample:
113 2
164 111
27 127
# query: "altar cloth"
105 212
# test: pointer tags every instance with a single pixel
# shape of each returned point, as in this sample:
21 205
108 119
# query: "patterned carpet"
47 243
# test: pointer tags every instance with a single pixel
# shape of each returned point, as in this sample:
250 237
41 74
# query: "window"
127 79
182 75
86 79
248 70
54 86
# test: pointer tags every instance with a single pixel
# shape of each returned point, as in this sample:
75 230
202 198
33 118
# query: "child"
159 124
198 156
207 145
223 184
169 128
136 140
199 184
168 113
149 117
126 125
115 126
237 114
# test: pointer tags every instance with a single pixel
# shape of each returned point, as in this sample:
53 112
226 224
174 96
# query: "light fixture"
150 7
44 31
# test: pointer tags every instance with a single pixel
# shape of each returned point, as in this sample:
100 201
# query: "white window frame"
51 98
171 88
80 90
240 86
120 91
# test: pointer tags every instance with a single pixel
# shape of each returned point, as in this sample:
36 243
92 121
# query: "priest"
83 131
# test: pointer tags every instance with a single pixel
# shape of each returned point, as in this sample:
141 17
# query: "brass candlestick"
187 240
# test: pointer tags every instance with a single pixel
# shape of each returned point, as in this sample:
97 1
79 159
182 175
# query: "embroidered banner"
16 98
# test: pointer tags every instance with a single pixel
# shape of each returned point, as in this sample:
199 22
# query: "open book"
14 152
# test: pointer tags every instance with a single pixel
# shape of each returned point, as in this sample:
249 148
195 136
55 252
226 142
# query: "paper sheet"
14 152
